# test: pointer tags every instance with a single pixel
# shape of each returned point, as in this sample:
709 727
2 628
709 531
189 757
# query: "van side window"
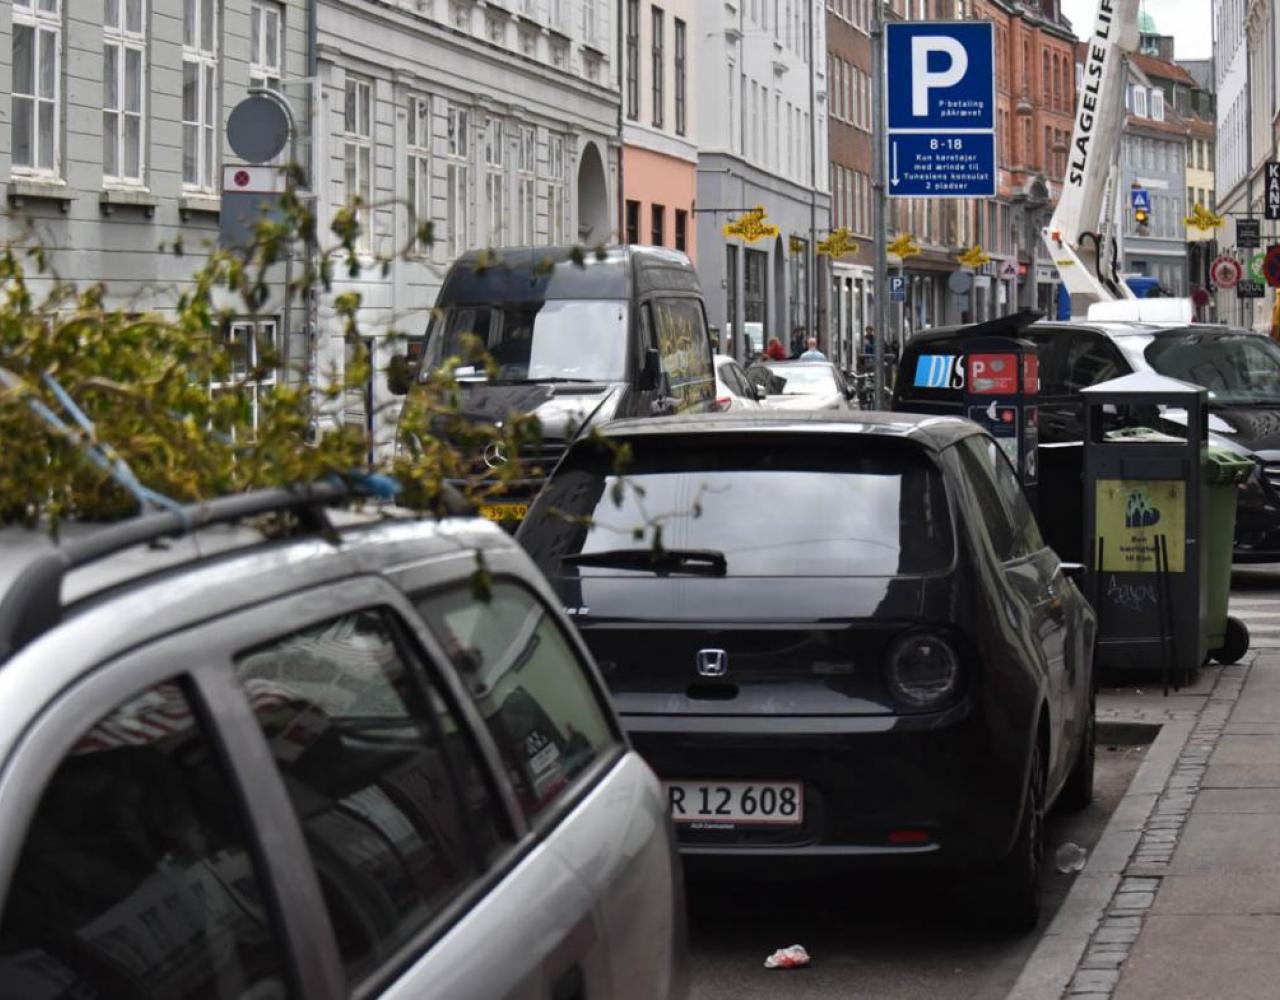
685 347
1089 360
136 877
529 684
397 814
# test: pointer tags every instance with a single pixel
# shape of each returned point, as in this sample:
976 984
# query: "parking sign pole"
879 227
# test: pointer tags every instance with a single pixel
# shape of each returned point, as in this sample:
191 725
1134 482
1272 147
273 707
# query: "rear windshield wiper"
699 562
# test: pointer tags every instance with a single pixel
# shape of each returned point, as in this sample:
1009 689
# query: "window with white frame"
200 95
418 174
266 31
124 89
1157 104
252 359
555 189
526 173
458 177
1140 101
37 86
495 181
357 156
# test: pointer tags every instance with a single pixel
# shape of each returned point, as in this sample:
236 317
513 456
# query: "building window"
200 95
682 230
495 182
458 176
1157 104
529 43
266 22
124 89
658 218
251 354
658 71
1140 101
633 59
527 169
496 29
555 188
37 82
418 145
681 95
357 155
633 222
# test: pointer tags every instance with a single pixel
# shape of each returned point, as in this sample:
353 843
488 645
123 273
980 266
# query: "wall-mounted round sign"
257 129
1226 272
1255 266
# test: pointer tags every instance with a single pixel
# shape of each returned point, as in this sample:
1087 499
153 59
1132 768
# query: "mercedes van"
575 338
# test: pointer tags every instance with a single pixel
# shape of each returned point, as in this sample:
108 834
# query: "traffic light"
1141 218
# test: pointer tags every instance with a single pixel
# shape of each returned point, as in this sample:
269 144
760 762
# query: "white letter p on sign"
922 81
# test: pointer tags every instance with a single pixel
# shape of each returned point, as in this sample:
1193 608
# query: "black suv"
1240 369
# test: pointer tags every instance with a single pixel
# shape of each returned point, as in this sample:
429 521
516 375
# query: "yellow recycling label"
1132 513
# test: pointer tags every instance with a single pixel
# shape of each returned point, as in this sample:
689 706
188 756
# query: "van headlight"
922 670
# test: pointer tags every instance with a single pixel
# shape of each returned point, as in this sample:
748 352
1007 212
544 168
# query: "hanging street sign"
940 108
974 257
1248 233
904 246
1273 189
1226 272
838 243
750 226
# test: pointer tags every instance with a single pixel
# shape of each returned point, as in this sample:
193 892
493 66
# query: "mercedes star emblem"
495 455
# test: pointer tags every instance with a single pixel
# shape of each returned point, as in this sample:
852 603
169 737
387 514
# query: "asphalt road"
902 937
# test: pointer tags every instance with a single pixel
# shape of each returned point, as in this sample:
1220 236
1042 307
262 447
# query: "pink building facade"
659 193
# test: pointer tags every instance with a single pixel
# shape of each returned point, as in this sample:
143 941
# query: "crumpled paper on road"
794 957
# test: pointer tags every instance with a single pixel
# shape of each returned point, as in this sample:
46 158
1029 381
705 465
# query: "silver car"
317 766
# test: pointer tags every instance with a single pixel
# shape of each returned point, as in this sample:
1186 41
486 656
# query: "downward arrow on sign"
893 179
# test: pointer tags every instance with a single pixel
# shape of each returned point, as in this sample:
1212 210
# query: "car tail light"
908 836
922 671
724 403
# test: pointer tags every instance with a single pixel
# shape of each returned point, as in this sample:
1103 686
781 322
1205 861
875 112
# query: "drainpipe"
622 97
312 45
811 264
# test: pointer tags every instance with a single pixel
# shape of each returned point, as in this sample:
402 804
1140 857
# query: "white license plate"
736 802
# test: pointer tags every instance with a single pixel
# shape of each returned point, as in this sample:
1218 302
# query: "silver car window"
397 815
136 879
529 685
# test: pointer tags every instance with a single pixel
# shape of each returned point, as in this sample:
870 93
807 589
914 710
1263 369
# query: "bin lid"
1224 466
1146 384
1142 434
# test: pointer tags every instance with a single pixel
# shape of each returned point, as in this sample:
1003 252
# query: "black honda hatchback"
834 638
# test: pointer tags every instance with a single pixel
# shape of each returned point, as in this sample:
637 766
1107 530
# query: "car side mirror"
651 373
399 376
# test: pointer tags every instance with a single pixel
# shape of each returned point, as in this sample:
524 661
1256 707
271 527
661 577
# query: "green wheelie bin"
1227 637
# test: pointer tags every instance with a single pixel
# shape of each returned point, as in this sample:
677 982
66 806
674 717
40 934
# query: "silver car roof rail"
32 604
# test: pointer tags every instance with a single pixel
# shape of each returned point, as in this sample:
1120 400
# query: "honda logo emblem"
712 663
495 456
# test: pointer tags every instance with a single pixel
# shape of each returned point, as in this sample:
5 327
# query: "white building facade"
495 122
762 112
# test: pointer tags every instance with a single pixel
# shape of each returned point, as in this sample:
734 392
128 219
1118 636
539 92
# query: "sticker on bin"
736 803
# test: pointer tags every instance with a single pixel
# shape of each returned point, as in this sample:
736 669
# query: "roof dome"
1147 24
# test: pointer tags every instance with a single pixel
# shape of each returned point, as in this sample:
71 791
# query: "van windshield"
566 340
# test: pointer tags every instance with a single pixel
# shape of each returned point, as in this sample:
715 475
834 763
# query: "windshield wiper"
699 562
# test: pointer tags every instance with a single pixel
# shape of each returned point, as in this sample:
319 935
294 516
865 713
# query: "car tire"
1012 893
1077 793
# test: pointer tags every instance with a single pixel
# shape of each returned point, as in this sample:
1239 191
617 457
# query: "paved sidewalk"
1181 898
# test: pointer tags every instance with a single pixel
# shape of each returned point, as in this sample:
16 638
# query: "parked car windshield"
571 339
1239 368
805 379
771 505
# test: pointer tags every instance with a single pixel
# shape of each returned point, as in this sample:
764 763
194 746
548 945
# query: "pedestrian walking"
813 354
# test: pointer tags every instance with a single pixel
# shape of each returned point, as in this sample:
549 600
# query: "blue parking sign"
941 109
941 75
897 288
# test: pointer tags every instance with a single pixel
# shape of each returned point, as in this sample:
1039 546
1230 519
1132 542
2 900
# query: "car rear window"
839 505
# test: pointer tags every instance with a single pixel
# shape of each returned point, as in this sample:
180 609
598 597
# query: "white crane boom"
1086 256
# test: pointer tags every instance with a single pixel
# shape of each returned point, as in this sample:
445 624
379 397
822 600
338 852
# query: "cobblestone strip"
1099 970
